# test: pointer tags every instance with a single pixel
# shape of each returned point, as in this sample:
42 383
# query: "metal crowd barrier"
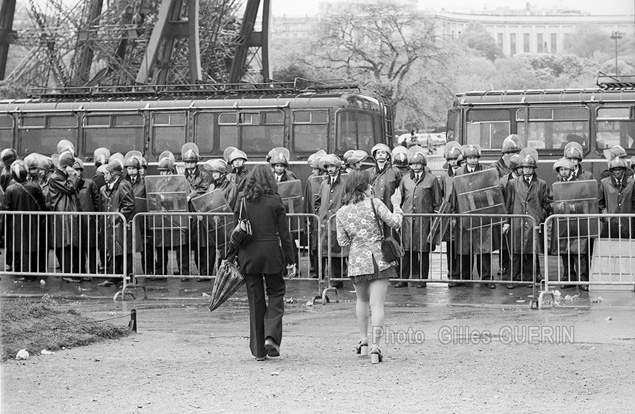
190 246
72 245
455 249
593 251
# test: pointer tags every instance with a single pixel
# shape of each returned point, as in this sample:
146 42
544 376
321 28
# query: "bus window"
120 133
310 131
204 132
614 127
488 127
346 131
228 127
259 137
365 139
6 131
42 133
554 128
168 132
378 135
453 126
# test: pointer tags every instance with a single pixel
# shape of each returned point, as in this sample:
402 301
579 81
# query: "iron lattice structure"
88 43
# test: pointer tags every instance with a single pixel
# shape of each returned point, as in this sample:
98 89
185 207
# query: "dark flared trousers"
265 319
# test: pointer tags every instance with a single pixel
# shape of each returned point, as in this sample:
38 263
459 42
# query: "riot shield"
167 193
576 197
479 193
215 228
291 193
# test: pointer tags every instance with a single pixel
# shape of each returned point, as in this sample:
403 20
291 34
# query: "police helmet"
511 144
8 155
563 163
380 147
528 161
189 152
19 171
330 159
236 155
418 157
65 145
66 159
216 165
472 151
617 163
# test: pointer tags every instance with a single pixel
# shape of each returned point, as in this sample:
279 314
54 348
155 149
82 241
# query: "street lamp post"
616 36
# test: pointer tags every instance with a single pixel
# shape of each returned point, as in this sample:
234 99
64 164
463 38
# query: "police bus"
547 120
252 117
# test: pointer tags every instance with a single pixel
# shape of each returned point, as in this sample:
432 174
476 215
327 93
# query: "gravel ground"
474 356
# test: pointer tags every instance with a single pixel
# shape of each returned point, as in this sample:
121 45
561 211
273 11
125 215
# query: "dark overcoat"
119 199
385 182
270 248
88 194
419 197
64 229
533 200
617 200
328 201
25 233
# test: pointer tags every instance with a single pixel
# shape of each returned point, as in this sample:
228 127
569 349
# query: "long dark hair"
356 183
260 181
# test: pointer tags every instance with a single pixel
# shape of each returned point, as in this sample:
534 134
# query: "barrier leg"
132 325
546 299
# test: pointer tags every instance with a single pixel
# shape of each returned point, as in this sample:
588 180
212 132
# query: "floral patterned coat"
357 227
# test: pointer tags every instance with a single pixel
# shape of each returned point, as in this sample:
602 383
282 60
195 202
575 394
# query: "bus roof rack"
605 81
165 91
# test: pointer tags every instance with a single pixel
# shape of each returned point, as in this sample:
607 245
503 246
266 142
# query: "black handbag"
391 249
242 232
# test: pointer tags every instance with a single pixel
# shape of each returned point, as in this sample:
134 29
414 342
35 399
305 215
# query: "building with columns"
530 32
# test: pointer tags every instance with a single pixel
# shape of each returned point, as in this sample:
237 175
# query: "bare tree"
386 47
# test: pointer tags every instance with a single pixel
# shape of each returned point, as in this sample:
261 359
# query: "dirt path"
186 360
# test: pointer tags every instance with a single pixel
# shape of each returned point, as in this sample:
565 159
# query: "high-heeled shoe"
362 347
375 356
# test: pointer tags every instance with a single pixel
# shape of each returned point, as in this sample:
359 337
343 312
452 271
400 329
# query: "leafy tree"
476 37
587 41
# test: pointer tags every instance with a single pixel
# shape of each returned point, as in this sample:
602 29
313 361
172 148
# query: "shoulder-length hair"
356 183
260 181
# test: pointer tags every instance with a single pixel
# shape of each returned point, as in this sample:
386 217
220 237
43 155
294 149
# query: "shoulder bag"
242 232
390 248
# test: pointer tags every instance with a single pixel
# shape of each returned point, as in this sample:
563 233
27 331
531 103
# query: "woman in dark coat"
263 259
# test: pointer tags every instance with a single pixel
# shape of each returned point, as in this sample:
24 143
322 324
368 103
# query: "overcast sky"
303 7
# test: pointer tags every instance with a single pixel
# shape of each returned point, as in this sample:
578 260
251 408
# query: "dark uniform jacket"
63 196
270 247
614 199
88 195
533 200
118 199
418 197
24 233
385 182
238 177
328 201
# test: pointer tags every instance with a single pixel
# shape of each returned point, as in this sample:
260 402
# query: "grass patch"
35 326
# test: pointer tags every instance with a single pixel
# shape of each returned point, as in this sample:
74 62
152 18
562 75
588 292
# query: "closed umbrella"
228 281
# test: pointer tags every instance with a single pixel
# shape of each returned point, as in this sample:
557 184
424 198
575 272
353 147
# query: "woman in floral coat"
367 268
